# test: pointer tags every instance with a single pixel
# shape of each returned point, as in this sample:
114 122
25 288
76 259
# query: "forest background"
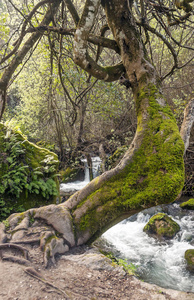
57 105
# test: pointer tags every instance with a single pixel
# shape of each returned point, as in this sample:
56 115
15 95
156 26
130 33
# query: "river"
161 263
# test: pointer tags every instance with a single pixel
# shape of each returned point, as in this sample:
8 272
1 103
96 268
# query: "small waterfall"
161 263
67 189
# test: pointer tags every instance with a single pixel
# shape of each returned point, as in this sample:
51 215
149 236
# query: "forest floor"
83 273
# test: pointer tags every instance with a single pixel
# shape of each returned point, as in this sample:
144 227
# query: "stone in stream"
189 256
188 204
161 226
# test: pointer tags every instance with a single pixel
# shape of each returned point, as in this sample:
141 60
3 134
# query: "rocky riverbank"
83 273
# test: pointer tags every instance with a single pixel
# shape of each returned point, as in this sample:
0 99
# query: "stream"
161 263
157 262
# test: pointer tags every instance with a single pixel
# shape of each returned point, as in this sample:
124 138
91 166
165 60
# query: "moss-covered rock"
189 256
188 204
27 172
161 226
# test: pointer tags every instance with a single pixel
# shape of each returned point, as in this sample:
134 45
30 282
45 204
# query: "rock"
189 256
93 259
161 226
188 204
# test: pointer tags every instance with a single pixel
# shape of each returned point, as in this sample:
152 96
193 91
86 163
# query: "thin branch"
72 11
170 47
96 40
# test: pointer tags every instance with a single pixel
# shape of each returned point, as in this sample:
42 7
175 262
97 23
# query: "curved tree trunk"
150 173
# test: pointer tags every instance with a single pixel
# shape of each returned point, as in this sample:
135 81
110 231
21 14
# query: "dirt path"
82 274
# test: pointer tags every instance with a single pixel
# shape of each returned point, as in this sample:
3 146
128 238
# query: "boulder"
188 204
189 256
161 226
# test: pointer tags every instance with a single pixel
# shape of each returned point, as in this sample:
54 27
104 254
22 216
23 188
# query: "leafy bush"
18 178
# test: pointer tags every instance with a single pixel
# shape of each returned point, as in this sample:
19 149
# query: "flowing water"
161 263
78 185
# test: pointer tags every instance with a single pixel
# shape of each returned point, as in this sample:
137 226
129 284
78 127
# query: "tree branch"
72 11
92 38
81 56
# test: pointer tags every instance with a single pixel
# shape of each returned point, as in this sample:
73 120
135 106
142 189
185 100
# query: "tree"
152 170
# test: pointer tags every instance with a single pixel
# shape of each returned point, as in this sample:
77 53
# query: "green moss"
155 176
188 204
49 239
27 172
161 225
6 223
189 256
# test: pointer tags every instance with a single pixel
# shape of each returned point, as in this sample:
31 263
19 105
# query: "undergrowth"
18 179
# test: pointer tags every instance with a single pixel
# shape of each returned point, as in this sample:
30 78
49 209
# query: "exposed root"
25 242
50 227
16 259
32 272
15 247
53 246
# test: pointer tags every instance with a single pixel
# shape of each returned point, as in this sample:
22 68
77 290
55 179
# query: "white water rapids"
161 263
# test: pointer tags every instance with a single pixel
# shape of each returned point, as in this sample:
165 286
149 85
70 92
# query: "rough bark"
150 173
187 123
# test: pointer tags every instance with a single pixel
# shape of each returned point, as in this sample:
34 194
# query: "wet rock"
189 256
161 226
188 204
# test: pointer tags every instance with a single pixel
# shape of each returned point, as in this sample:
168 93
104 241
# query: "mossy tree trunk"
150 173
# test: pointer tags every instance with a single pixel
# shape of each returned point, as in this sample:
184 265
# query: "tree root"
15 247
16 259
25 242
32 272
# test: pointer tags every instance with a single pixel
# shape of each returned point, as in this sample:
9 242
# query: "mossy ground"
155 175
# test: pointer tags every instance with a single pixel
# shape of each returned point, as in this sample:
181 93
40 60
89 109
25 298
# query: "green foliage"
6 223
5 210
130 268
18 178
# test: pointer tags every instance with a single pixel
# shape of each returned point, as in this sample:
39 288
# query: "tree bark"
187 123
150 173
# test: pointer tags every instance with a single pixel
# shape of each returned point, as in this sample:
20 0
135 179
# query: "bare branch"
170 47
73 11
94 39
81 56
